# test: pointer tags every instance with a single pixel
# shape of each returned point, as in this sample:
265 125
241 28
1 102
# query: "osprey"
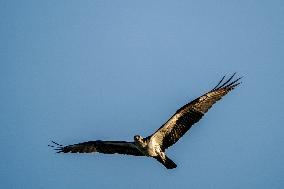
168 134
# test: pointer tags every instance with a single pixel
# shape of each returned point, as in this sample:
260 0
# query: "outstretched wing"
170 132
106 147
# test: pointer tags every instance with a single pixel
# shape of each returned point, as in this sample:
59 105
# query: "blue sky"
73 71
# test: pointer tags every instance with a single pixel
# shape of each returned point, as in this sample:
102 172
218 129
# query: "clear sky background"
73 71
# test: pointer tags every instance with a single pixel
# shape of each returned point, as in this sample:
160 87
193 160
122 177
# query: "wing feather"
106 147
170 132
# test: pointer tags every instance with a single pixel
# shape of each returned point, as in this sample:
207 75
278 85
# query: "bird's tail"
167 162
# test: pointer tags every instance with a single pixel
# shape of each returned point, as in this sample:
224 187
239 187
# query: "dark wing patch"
106 147
182 125
169 133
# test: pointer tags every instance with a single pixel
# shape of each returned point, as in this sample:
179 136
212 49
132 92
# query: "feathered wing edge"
220 90
106 147
231 85
170 132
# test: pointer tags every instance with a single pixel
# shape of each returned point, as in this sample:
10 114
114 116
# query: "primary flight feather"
167 135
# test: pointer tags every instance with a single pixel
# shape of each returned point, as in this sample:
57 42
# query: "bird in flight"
167 135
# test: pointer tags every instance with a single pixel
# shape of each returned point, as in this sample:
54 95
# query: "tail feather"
167 162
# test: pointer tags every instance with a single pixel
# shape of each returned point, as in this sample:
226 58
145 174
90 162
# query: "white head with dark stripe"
139 140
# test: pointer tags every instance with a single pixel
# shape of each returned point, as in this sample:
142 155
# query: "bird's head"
138 139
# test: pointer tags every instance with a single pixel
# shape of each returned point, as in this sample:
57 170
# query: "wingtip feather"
56 146
229 83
